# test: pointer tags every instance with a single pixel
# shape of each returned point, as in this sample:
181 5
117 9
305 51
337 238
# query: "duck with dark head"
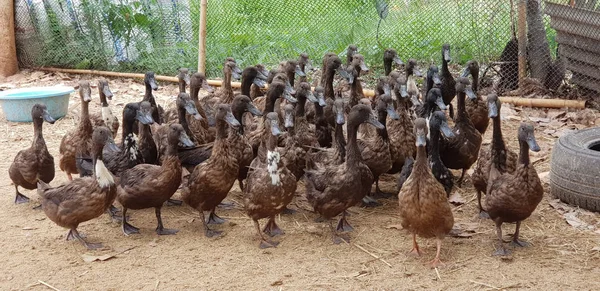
106 117
477 110
253 76
183 78
390 56
401 132
34 162
448 82
257 90
151 85
305 66
200 127
356 92
432 80
333 188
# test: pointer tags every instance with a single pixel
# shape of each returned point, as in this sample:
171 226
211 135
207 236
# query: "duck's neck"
302 67
127 128
523 153
421 163
353 155
272 96
103 100
300 105
340 141
291 76
239 116
498 147
85 123
461 111
194 89
148 94
246 84
221 129
172 149
434 143
445 70
181 112
475 84
37 131
382 132
356 92
329 83
227 90
181 85
103 177
387 64
318 113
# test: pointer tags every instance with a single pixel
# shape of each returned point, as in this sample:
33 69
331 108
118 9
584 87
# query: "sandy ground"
565 254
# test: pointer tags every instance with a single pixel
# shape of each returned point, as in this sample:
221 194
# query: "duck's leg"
160 229
271 228
241 184
207 231
436 263
113 212
451 109
369 201
415 250
174 202
128 228
70 235
516 242
482 213
264 243
214 219
460 180
90 246
501 251
20 198
337 239
343 224
288 211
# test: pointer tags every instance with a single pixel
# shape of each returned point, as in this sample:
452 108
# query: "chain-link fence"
162 35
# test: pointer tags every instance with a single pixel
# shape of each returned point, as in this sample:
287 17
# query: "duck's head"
305 61
390 55
472 68
150 80
184 75
358 61
434 98
385 104
102 137
262 72
365 101
281 78
446 52
185 101
421 132
398 82
252 73
464 85
338 110
105 89
273 121
288 110
350 51
494 105
412 68
433 74
243 103
40 112
144 113
231 67
85 92
320 95
361 113
293 66
177 135
198 79
332 62
438 121
384 83
224 113
526 135
304 89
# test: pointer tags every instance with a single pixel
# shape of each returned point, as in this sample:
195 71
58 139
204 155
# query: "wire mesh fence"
162 35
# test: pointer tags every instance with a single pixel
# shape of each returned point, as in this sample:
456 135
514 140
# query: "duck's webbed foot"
160 229
214 218
115 213
174 202
207 231
343 224
369 201
128 229
20 198
272 229
288 211
90 246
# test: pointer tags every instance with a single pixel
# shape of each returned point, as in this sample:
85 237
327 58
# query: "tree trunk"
538 50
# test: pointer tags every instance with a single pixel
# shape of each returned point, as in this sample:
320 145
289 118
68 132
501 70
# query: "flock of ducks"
268 141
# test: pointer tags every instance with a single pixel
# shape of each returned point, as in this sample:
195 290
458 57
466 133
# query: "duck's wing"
26 164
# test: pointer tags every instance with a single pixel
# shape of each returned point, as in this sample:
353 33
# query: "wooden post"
202 38
522 39
8 49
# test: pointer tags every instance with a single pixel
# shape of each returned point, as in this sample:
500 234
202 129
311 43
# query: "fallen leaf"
544 177
456 198
597 249
574 221
394 226
91 258
277 283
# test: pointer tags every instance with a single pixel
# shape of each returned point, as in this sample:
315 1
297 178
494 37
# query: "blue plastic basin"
17 103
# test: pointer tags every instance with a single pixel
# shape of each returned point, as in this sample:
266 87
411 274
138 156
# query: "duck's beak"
421 140
186 79
311 97
289 119
373 120
436 80
392 113
321 98
47 117
470 93
417 72
153 84
466 72
363 67
446 130
87 95
415 100
191 109
403 91
263 75
339 116
110 144
532 143
439 101
447 55
253 110
235 75
211 121
289 97
237 70
106 91
207 87
492 110
299 71
185 140
259 82
289 89
231 119
346 75
144 117
398 61
275 128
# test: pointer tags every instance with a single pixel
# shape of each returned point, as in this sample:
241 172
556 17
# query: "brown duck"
477 109
200 127
448 82
390 56
512 197
424 208
84 198
34 162
106 118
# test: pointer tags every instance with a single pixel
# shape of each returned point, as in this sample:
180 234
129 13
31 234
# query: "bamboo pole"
517 101
202 38
8 49
522 39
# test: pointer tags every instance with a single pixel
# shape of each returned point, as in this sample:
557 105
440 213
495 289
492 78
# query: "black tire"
575 169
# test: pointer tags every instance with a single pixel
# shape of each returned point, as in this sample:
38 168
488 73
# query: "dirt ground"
565 251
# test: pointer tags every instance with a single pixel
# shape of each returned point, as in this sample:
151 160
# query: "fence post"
522 39
8 50
202 38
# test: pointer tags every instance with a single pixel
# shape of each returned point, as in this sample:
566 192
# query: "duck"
332 189
35 162
461 151
293 153
256 89
383 86
494 160
106 118
291 69
85 198
432 79
337 154
146 144
412 73
477 109
375 151
306 136
322 129
390 56
438 124
252 75
401 131
145 185
424 207
433 102
279 79
270 185
128 155
512 197
200 127
225 94
333 65
151 85
183 80
356 91
448 82
79 140
350 52
210 181
305 65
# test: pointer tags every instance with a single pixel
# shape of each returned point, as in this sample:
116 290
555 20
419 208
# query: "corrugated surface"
578 33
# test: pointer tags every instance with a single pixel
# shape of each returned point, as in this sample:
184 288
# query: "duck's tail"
42 187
